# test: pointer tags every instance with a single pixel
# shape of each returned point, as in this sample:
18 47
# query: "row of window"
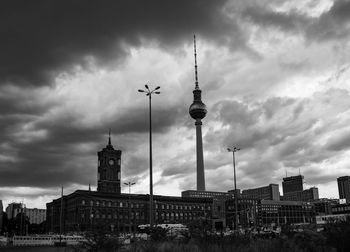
140 205
340 209
140 216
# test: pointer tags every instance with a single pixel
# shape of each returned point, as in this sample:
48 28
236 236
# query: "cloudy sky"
274 75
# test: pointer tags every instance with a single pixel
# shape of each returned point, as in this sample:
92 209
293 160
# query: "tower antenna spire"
109 137
195 61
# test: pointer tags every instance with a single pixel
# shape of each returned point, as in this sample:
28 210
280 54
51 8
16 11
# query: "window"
83 202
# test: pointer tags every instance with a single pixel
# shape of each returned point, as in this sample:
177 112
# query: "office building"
344 188
270 192
13 209
35 215
292 184
205 194
310 194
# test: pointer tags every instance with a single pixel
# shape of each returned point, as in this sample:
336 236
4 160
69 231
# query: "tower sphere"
198 110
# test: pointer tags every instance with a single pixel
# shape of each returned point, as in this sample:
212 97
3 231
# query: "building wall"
13 209
292 184
36 216
270 192
86 210
344 188
341 209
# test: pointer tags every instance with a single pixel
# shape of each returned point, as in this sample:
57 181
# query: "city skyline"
274 76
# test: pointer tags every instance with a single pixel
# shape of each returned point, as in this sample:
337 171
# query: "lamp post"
129 184
233 150
149 94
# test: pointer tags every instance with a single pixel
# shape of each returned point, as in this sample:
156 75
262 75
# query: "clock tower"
108 177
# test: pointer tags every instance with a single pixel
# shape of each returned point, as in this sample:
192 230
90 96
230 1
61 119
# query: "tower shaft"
200 160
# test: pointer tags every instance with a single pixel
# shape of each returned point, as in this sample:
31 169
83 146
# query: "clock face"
111 162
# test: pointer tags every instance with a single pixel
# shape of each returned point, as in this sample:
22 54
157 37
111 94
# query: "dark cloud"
282 133
339 142
42 39
333 24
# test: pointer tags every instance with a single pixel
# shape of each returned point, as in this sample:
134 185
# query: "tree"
337 234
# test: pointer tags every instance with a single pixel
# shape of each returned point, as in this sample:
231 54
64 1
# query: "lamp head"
146 86
141 91
157 88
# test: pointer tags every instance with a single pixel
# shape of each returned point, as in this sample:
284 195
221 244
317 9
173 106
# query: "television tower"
198 111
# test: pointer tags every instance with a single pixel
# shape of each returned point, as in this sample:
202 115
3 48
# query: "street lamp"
233 150
129 184
149 94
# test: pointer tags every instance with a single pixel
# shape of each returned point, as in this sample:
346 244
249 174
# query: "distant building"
253 212
218 212
232 192
204 194
270 192
292 184
341 209
310 194
247 212
293 190
344 188
324 206
13 209
36 216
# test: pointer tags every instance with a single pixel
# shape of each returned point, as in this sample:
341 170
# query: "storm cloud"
274 76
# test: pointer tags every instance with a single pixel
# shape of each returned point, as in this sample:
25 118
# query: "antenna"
195 61
109 138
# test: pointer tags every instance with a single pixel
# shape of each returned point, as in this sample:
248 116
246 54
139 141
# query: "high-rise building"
35 215
109 169
292 184
344 188
310 194
13 209
270 192
198 111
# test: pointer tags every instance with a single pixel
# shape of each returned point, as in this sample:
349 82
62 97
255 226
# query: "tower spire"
195 62
109 137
